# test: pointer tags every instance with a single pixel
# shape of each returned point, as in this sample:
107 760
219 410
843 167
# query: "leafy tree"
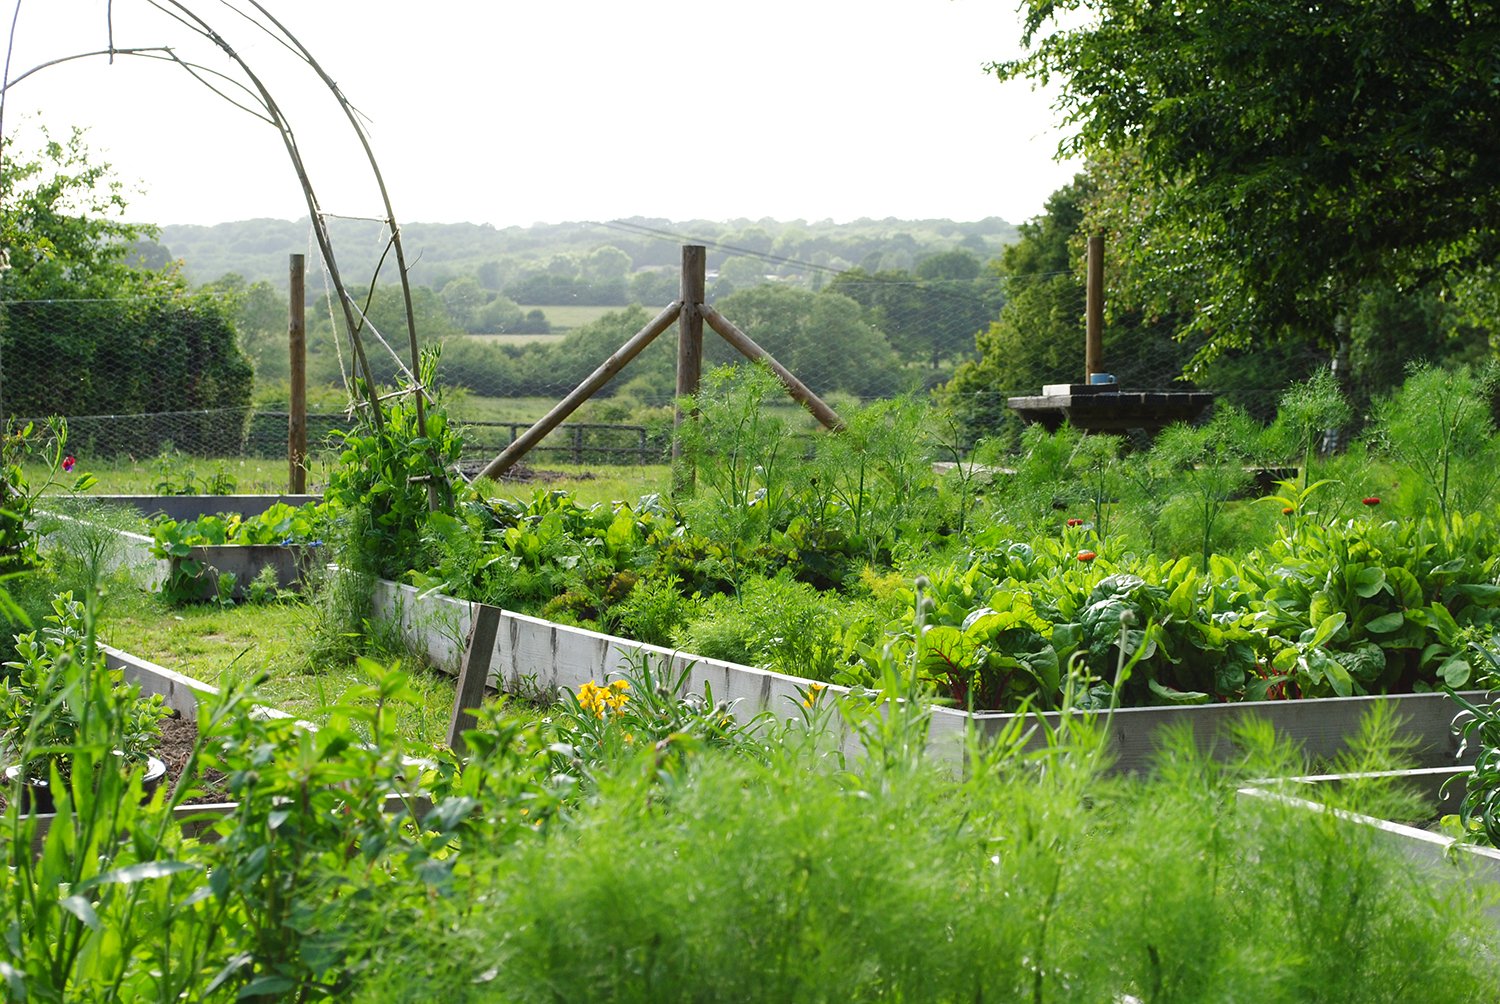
501 315
741 272
490 275
261 317
1273 158
385 314
1391 330
59 220
932 314
464 298
655 287
87 332
820 337
607 270
1038 337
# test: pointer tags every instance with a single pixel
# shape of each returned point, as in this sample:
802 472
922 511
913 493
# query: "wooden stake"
796 388
296 446
478 654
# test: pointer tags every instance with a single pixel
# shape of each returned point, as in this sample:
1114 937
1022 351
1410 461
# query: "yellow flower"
814 691
601 700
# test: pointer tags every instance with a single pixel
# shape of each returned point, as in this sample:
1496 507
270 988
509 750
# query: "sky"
510 112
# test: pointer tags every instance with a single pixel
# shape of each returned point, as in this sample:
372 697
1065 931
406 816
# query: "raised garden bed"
184 507
245 562
534 653
1441 788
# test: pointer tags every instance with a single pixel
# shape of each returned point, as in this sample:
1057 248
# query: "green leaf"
265 985
1479 592
139 872
1455 672
1369 580
1175 696
449 813
1386 623
80 907
1442 622
1327 628
1338 677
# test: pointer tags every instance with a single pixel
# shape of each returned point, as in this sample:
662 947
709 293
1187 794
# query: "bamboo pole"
419 392
297 404
591 384
1093 349
314 210
796 388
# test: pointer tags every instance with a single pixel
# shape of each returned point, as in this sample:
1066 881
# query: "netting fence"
137 380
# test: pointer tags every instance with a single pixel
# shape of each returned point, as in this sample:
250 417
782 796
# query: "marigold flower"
1287 510
1086 556
68 463
1075 521
1371 500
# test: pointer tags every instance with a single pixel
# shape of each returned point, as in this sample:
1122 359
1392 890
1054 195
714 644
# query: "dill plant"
1036 879
1439 425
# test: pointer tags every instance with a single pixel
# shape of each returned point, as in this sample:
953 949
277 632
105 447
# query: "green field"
566 317
516 339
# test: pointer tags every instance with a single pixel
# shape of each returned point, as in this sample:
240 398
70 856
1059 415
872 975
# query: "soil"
178 734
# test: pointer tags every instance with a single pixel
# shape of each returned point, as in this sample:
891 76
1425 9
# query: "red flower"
1075 522
1372 500
1086 556
1287 510
68 463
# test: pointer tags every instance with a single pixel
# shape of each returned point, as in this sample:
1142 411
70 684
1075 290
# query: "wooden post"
1093 353
296 423
601 376
478 653
796 388
689 352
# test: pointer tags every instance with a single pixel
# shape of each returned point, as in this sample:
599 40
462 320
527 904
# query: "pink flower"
68 463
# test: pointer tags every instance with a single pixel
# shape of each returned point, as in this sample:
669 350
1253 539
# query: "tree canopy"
1269 159
84 330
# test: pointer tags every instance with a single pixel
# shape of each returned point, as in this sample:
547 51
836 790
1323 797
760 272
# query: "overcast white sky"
518 111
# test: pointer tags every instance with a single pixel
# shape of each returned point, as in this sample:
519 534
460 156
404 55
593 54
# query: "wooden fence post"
689 353
1093 351
296 447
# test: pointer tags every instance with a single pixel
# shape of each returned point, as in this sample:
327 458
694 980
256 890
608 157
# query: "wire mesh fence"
141 378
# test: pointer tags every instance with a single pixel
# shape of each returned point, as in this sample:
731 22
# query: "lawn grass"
249 475
254 476
585 483
220 645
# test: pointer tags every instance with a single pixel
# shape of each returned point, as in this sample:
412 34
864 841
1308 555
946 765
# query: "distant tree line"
614 256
